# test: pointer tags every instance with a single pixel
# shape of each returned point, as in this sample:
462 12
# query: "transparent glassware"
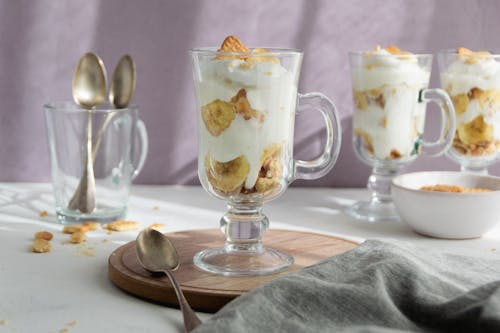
390 95
117 134
246 108
473 83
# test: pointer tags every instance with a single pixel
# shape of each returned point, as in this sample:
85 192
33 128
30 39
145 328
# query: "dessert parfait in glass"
247 101
472 79
390 95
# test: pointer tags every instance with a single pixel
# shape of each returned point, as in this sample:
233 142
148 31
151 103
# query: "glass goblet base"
234 260
373 211
243 253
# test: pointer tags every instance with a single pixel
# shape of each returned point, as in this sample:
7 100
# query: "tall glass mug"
246 108
473 81
390 96
114 133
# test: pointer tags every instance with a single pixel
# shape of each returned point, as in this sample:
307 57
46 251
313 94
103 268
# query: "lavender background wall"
40 42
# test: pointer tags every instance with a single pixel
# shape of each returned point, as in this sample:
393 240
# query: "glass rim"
271 51
72 107
416 55
455 52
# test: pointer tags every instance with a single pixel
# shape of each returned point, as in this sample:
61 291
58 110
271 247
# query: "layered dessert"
387 116
473 83
246 118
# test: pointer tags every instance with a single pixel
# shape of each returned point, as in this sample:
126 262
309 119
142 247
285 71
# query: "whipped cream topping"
381 67
460 77
271 90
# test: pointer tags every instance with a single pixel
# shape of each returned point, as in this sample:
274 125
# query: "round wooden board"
209 292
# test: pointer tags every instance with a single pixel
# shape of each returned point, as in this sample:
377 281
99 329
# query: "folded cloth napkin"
376 287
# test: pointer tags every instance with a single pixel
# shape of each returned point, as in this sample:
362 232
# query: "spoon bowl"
157 254
89 81
155 251
122 83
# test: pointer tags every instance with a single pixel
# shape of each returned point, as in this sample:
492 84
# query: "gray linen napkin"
376 287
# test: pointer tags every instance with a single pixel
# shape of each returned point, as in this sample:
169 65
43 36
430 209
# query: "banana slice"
475 131
218 116
229 176
460 102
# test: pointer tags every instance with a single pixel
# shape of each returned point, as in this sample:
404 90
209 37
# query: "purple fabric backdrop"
40 42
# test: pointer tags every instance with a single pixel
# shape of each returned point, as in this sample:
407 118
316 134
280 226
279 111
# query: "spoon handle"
191 320
100 134
84 196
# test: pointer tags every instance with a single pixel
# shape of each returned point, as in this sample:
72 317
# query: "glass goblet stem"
244 225
478 170
379 183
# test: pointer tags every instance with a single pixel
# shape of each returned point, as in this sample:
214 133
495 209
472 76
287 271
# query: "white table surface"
45 292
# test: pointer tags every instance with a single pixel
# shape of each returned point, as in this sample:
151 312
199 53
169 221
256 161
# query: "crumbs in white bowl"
453 189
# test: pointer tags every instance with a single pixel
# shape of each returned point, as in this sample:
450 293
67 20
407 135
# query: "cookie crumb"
40 246
44 235
44 213
105 240
156 208
70 229
78 237
121 225
63 330
4 322
157 226
91 225
453 189
73 323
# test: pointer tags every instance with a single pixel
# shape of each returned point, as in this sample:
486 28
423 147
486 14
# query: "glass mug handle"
448 120
144 143
323 164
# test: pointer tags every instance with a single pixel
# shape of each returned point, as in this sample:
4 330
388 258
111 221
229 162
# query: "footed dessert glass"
246 108
472 79
390 96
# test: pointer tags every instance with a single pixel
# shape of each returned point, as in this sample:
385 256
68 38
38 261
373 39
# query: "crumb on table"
44 235
157 226
44 213
40 245
78 237
121 225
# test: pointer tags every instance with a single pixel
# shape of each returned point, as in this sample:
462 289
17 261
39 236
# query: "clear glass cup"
114 133
247 103
390 95
473 83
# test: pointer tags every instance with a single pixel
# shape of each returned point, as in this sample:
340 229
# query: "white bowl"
445 214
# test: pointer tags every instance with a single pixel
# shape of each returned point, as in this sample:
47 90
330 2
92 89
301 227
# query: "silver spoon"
157 254
89 90
121 92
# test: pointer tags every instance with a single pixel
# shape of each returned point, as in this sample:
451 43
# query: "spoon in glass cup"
157 254
120 94
89 90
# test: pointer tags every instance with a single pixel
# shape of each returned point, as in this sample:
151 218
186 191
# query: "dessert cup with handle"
246 108
390 94
472 79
